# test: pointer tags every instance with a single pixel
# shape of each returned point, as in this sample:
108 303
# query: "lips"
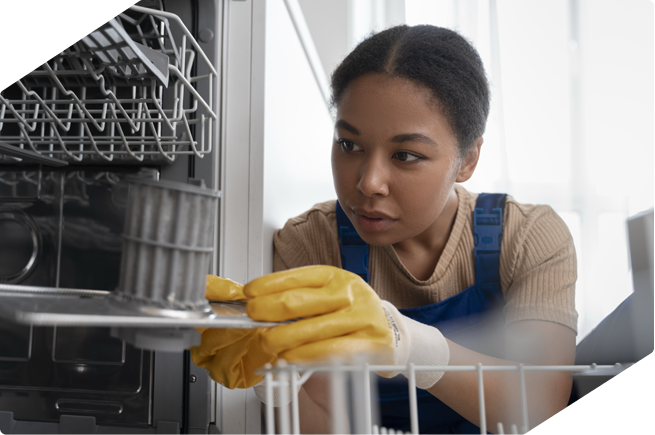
372 220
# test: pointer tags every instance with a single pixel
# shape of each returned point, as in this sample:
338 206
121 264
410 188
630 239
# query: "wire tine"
483 415
368 418
95 147
338 399
283 390
295 415
270 415
413 408
524 399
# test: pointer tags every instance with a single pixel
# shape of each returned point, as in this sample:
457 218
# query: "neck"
421 254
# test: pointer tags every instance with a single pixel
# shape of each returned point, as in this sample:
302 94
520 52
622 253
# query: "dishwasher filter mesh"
167 247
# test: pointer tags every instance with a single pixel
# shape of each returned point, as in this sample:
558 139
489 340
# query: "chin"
379 239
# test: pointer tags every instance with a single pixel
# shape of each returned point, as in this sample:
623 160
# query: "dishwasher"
137 99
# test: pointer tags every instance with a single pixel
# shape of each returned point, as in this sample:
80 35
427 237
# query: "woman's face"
395 161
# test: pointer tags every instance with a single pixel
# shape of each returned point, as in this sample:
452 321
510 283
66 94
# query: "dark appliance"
135 98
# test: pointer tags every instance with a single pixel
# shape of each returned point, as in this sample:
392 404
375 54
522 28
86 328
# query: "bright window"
572 120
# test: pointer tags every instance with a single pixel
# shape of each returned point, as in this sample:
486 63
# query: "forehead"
381 103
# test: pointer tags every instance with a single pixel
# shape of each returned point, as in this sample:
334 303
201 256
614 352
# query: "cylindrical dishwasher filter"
167 247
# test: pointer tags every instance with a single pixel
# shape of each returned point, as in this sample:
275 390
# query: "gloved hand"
230 355
341 315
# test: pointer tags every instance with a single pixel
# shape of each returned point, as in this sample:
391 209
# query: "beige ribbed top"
537 260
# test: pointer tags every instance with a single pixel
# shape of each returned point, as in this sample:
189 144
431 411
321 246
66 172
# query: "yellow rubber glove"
230 355
223 289
341 314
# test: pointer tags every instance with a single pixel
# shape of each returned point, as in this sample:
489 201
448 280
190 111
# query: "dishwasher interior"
134 100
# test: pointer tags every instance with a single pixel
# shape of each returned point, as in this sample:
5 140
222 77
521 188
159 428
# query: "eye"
348 146
404 156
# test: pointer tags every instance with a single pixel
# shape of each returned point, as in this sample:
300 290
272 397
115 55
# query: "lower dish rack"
351 386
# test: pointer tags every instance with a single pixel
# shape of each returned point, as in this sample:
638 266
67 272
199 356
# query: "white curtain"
571 123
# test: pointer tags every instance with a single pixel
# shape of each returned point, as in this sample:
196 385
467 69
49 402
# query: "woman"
411 105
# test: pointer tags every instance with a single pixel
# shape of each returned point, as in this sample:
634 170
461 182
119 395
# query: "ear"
470 161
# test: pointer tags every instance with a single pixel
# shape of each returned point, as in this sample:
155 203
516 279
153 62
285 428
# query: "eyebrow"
343 124
400 138
413 137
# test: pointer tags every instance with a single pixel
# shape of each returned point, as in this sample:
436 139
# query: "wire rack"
137 90
284 380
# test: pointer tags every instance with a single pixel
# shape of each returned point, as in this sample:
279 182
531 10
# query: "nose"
374 179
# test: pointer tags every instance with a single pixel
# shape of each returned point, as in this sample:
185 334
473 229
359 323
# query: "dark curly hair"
434 57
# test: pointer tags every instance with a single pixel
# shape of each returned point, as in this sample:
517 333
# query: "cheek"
334 157
445 176
339 172
424 194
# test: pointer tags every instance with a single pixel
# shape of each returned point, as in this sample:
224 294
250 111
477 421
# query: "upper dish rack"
137 90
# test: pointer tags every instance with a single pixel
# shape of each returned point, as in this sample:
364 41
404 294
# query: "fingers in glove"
296 303
228 356
214 340
286 337
234 366
223 289
325 350
310 276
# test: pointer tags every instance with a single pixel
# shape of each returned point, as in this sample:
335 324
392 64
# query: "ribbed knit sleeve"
538 266
309 239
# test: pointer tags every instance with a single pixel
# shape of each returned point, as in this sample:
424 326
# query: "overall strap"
487 234
354 250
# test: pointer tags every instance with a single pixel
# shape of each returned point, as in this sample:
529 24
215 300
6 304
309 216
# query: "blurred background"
571 122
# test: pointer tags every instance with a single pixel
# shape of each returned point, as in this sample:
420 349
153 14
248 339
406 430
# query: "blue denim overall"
472 318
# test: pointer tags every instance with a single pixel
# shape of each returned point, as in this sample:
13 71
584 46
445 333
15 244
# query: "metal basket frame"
152 125
286 380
